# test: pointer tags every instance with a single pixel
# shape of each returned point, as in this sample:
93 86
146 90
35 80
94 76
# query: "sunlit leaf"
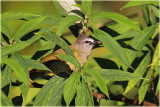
51 93
71 86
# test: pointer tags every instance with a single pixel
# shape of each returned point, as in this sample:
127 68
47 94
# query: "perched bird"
81 49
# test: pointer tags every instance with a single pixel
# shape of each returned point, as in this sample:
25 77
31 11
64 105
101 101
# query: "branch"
121 98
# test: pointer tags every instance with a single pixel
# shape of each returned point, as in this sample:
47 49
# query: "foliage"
137 58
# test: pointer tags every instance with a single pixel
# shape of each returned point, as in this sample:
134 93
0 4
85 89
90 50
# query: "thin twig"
121 98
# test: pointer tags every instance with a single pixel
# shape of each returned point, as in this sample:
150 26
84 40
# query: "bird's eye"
86 41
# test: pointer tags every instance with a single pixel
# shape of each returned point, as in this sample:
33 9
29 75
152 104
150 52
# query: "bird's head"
86 42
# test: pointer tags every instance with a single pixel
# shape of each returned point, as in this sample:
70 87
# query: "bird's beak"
97 42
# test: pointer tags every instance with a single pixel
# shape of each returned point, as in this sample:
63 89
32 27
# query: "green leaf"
18 58
51 92
15 15
112 45
51 18
30 63
118 75
4 29
139 71
118 18
27 27
146 14
136 3
66 22
86 6
128 34
24 88
71 86
20 73
100 81
144 86
157 88
155 10
6 76
18 46
155 59
118 27
5 101
46 45
10 49
83 97
139 41
71 59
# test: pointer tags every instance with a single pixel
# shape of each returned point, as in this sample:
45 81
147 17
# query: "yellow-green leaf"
71 86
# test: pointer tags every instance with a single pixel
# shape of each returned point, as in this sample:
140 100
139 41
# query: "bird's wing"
49 61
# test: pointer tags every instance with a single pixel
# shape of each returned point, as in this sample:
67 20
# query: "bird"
81 48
